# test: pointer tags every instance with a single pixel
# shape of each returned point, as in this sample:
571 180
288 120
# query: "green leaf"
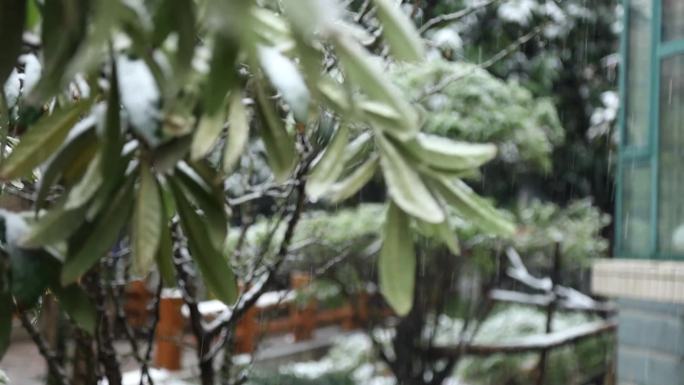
63 29
238 132
222 74
164 256
87 187
178 16
41 141
381 114
32 270
6 313
399 31
397 262
105 232
328 166
103 16
449 155
147 222
111 135
112 182
472 207
167 156
32 14
217 274
354 182
268 28
405 186
285 77
66 160
12 19
280 146
358 147
55 226
77 305
449 237
334 95
442 232
208 132
369 77
207 198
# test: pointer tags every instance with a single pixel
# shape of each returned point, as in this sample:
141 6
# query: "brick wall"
650 343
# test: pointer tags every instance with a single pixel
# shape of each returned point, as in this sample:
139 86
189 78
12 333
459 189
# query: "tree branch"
50 357
249 298
448 80
441 20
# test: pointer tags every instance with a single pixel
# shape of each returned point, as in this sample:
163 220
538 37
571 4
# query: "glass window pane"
671 218
636 210
673 20
638 71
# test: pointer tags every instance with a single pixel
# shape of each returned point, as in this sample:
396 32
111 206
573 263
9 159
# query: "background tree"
571 58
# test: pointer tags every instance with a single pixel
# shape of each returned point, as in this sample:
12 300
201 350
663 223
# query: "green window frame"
642 156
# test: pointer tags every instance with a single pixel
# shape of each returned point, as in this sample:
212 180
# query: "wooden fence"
280 312
275 313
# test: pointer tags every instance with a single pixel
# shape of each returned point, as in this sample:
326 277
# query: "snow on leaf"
285 76
140 97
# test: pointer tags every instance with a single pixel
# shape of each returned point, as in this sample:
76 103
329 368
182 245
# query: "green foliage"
291 379
567 365
577 227
320 235
573 60
160 82
323 235
349 359
28 273
470 104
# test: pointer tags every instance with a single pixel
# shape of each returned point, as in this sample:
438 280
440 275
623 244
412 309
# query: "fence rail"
275 313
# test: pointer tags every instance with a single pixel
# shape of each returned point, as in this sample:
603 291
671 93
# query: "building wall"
650 343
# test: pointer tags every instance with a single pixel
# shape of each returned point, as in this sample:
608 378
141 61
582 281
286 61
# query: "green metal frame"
650 153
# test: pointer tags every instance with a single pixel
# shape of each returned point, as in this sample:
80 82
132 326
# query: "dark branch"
50 357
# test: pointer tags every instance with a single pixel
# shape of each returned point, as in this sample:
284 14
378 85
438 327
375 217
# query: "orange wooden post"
303 318
362 308
348 316
169 331
247 332
135 306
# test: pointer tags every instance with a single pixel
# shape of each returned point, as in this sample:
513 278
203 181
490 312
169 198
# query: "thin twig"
145 367
231 316
448 80
104 336
185 275
455 16
50 357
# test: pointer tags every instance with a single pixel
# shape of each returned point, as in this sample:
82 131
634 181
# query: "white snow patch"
139 96
32 71
517 11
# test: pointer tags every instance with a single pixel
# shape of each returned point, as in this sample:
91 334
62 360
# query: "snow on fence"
275 312
278 312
